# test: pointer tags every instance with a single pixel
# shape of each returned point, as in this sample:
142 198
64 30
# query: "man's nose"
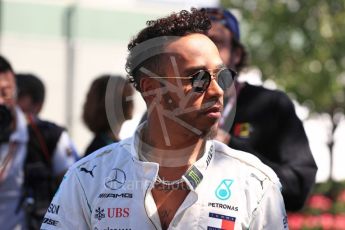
215 89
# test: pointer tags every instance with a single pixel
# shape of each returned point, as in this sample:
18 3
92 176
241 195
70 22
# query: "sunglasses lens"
225 79
201 81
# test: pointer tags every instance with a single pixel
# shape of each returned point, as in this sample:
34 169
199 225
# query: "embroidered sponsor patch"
194 176
99 213
285 222
220 222
53 208
223 191
118 212
88 171
116 179
223 206
50 221
115 195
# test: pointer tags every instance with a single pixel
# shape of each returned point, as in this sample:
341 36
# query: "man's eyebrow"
194 69
221 66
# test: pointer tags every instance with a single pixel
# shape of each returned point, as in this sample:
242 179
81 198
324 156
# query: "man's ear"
148 87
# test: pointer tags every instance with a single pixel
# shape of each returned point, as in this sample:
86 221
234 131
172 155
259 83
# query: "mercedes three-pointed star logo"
116 179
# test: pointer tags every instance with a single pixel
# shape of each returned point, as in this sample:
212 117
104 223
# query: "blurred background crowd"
296 46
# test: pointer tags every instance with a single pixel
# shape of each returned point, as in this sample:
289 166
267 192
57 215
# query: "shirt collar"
195 174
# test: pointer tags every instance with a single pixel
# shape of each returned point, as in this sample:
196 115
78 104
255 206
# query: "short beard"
212 133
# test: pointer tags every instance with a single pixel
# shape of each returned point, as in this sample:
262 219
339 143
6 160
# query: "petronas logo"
223 191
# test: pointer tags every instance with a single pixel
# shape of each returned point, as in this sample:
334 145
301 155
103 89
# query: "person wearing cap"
171 174
262 121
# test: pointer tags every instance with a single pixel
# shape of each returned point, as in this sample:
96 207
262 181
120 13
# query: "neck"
177 149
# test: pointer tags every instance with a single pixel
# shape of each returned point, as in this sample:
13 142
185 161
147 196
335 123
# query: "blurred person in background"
30 93
33 159
50 150
262 121
95 112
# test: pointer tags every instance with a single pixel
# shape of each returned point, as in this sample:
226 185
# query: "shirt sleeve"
65 154
270 213
69 208
298 169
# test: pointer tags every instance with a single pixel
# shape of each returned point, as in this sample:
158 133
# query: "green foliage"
298 44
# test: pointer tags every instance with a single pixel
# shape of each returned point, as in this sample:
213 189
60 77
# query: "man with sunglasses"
171 174
261 121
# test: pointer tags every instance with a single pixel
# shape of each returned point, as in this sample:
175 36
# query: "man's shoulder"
273 98
246 161
48 129
110 154
48 124
259 89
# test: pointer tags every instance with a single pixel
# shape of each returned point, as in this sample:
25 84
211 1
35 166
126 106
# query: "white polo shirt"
111 189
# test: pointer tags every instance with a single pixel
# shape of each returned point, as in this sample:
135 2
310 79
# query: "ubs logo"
116 179
118 212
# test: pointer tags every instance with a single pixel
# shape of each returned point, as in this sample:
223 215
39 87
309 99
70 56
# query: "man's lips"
214 111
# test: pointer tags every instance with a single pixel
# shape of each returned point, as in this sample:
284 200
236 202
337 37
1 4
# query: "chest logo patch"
87 171
223 191
116 179
220 222
99 213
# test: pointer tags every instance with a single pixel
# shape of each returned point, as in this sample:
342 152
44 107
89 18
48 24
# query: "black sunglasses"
202 78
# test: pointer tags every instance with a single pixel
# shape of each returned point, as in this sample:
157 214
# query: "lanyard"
7 161
40 138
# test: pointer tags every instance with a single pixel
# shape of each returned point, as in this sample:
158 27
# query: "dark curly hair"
150 55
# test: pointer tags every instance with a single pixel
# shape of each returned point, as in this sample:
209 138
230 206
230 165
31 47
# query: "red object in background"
341 196
312 222
295 221
319 202
321 212
327 221
339 222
